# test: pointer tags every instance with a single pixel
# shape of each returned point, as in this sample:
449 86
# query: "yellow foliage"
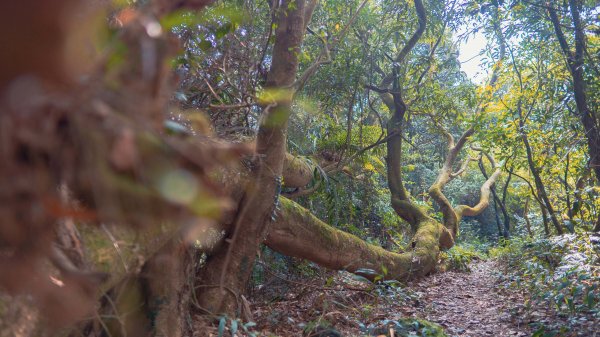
370 167
409 168
274 95
377 161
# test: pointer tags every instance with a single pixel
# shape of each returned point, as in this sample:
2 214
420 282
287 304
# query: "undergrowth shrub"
460 256
562 271
405 327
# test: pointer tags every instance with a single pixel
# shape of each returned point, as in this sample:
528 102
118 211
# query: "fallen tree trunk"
298 233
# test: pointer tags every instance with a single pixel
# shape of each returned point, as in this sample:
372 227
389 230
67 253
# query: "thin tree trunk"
575 61
538 180
484 198
567 187
545 218
503 203
526 217
498 225
502 230
228 270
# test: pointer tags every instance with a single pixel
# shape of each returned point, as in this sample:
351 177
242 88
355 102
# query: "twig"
232 106
115 245
212 91
325 55
463 168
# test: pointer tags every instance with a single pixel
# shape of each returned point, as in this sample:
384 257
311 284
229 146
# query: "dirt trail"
465 304
471 304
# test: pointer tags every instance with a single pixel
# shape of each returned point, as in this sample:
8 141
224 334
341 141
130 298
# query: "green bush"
405 327
562 271
460 256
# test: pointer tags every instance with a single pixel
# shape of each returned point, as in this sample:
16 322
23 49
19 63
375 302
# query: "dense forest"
299 168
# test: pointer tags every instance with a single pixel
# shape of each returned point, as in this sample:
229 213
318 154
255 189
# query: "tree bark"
545 220
538 180
228 270
451 219
297 228
426 228
526 217
504 230
452 216
503 203
400 198
297 172
497 217
484 199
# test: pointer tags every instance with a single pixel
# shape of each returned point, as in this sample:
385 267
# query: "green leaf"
248 326
224 30
178 18
234 326
205 45
172 127
366 271
222 323
361 279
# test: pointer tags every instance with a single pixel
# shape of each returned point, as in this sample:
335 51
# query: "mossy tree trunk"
297 232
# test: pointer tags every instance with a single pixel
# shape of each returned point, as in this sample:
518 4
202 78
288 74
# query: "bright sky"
470 58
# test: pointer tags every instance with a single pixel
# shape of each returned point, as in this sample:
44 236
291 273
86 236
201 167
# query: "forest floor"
473 303
463 303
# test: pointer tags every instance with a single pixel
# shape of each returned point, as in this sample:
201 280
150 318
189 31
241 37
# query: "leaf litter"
465 304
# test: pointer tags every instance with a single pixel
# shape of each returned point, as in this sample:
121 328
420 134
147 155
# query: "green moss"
306 216
101 251
328 234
